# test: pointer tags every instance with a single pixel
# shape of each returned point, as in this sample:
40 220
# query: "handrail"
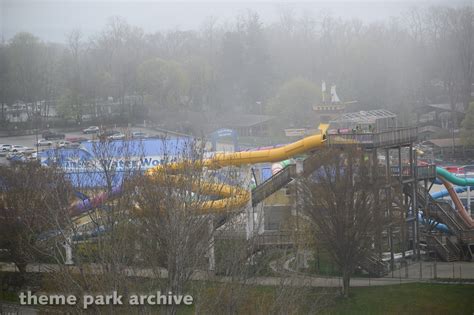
422 171
444 213
436 208
280 179
452 247
276 175
374 265
436 244
390 137
396 136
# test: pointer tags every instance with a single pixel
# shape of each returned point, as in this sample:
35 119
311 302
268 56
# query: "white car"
91 129
117 136
62 144
17 148
33 156
27 150
67 144
139 135
44 142
5 147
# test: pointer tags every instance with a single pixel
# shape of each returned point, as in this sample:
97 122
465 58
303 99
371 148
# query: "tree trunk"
22 273
346 278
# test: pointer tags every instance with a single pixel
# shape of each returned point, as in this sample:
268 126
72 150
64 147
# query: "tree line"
244 65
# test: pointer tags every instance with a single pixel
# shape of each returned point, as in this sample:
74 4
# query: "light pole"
36 132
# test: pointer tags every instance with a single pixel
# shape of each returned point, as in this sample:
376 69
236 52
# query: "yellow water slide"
236 197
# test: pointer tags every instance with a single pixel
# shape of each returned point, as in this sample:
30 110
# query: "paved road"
30 140
292 280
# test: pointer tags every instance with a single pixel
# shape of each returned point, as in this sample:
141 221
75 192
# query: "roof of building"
206 122
441 107
233 120
445 142
430 129
366 116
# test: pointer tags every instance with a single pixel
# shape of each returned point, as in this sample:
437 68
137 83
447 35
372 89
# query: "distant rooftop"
233 120
366 116
445 142
206 122
458 108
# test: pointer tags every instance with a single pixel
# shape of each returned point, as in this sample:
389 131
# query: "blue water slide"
439 226
445 192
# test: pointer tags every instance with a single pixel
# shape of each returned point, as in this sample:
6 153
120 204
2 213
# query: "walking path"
296 279
435 270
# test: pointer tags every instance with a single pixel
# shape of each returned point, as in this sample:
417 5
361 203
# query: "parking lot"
31 140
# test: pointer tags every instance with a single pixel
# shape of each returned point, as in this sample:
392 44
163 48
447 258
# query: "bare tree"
28 194
341 203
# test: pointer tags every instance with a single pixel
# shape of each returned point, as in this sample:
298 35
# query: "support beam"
388 197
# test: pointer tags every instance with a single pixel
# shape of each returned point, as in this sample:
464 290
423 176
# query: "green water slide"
459 181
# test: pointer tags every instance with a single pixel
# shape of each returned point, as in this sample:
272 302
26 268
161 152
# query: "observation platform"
390 138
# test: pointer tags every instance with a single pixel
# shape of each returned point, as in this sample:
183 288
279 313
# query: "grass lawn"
416 298
408 299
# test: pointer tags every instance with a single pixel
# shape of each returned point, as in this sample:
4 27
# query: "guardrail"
434 243
422 171
386 138
396 137
443 212
280 238
425 171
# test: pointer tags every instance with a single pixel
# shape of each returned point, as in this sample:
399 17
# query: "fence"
387 138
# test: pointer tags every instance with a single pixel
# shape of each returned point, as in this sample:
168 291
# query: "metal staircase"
443 212
448 252
374 266
284 177
273 184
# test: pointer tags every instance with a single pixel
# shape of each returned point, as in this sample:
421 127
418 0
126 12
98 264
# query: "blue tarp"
85 166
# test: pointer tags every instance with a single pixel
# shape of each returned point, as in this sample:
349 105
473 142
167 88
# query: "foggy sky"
50 20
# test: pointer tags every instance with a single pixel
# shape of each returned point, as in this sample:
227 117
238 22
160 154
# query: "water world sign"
78 164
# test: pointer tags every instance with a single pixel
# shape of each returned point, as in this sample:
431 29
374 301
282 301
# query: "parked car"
5 147
44 142
52 135
28 150
17 148
91 129
139 135
117 136
62 144
67 144
33 156
76 139
108 133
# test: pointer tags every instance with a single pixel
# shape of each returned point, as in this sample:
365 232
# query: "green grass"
408 299
416 298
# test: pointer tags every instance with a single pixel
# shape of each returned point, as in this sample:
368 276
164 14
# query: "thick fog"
51 20
264 58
